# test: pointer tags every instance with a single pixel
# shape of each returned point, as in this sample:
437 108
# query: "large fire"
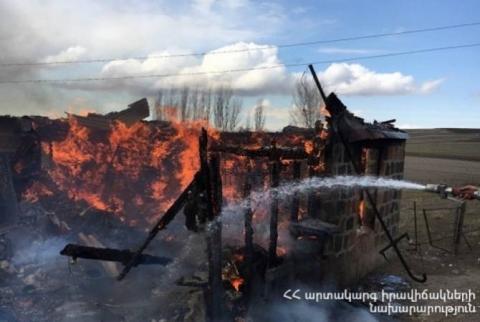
137 171
133 171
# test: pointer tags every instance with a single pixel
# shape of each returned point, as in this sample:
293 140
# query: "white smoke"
39 252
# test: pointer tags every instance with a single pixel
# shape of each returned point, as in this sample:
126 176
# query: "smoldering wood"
311 198
111 255
212 183
275 181
135 112
12 132
11 129
205 172
248 216
284 153
90 240
8 198
215 287
295 205
354 129
160 225
313 227
216 179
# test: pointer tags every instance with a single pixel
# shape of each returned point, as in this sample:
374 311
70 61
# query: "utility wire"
223 52
321 62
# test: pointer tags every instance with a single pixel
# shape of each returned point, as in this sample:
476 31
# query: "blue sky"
439 89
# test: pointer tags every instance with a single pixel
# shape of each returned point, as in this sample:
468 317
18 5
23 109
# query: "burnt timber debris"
324 226
112 255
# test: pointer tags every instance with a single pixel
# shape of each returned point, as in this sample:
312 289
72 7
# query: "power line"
265 47
321 62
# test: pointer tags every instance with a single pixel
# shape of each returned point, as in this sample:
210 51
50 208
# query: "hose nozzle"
443 190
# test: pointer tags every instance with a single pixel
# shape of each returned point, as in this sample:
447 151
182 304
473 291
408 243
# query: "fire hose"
446 191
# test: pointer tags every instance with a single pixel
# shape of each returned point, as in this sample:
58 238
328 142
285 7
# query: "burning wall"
135 169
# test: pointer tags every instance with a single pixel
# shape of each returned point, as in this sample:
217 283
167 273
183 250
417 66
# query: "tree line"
221 108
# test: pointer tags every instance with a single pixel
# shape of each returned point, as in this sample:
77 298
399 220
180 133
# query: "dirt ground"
444 269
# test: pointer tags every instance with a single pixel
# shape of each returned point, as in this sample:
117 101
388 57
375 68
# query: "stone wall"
388 201
339 207
353 251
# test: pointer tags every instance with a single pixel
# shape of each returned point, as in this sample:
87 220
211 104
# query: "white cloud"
235 4
69 54
200 72
34 30
430 86
356 79
203 5
119 29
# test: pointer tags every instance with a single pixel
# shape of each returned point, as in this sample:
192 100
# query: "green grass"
457 144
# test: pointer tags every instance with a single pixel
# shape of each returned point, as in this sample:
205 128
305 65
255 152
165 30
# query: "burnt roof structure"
355 129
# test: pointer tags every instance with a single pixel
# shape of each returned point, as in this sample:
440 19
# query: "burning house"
132 174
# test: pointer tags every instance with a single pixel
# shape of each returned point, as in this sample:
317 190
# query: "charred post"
123 256
8 199
311 213
205 173
286 153
248 230
295 206
215 287
275 181
216 183
167 217
210 172
458 226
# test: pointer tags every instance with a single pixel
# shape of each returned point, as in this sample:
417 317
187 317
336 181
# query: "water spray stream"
317 183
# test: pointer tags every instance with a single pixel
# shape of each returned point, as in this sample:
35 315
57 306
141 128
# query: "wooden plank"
275 181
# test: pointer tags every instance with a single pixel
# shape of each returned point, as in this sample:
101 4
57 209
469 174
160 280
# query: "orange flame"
237 283
361 210
126 170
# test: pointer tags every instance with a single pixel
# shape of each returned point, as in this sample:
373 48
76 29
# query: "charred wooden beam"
11 130
284 153
313 227
275 181
8 198
216 182
311 196
317 82
388 121
215 287
160 225
205 173
295 206
248 215
212 183
111 255
135 112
